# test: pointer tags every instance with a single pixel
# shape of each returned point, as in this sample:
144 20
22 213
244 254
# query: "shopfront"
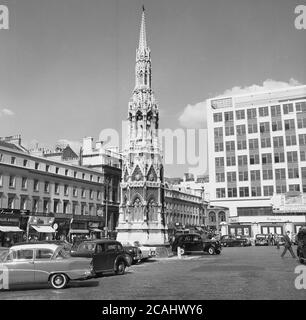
10 232
240 229
61 226
78 231
94 230
40 228
275 228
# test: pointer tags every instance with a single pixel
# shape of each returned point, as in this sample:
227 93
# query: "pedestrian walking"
288 245
276 239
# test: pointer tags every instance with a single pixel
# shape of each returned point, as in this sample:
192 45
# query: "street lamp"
106 206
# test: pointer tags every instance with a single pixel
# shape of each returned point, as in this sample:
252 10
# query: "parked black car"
193 242
233 241
107 255
134 252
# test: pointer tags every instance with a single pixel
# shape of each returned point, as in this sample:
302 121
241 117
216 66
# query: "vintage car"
42 263
261 240
134 252
233 241
192 243
67 246
107 256
147 252
247 240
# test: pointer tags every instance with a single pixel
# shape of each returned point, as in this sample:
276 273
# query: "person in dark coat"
288 245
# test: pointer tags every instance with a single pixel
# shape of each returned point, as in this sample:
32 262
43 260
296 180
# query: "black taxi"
192 242
107 255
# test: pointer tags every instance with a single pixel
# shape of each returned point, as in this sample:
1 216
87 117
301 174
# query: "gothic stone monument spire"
141 215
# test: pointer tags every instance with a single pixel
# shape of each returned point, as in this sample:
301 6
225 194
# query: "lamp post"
106 206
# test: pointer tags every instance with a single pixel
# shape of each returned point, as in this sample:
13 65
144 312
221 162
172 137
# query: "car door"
197 243
111 254
20 264
43 264
98 258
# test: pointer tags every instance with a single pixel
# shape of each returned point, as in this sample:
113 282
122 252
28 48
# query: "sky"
67 66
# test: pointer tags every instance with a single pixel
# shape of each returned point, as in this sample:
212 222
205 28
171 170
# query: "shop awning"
44 229
10 229
95 230
78 231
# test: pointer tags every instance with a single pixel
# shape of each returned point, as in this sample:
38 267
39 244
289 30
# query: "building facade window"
12 181
275 111
220 177
232 192
244 192
265 142
268 191
230 161
279 157
263 111
243 176
36 185
47 186
254 159
228 116
252 128
243 160
267 174
229 131
251 113
240 114
218 117
287 108
220 193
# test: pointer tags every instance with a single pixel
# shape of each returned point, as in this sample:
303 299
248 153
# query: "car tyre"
59 281
120 269
218 251
211 251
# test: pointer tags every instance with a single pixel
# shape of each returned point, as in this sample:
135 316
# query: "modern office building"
257 148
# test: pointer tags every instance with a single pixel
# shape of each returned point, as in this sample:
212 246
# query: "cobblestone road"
238 273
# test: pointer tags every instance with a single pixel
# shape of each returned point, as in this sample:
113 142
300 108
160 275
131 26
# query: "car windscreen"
3 254
62 254
86 246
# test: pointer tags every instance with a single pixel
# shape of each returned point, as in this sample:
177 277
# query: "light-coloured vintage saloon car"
42 263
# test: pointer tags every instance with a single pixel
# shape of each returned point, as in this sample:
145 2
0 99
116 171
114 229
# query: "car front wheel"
59 281
218 251
120 268
211 250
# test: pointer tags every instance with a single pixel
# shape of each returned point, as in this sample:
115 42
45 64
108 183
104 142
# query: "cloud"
194 116
268 84
6 112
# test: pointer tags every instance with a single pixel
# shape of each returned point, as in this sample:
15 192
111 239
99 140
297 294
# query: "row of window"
52 206
57 187
54 169
251 113
278 142
266 158
256 191
263 127
267 174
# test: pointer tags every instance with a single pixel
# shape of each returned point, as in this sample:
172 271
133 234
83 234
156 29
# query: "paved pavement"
238 273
